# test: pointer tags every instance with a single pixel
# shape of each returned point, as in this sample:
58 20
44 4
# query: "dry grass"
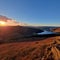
38 50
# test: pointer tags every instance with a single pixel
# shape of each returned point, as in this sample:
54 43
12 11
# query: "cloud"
11 22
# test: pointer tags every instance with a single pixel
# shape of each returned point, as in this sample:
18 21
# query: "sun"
2 23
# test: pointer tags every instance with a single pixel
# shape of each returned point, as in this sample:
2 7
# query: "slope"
48 49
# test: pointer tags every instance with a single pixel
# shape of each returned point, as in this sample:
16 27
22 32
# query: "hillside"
56 29
13 33
48 49
14 47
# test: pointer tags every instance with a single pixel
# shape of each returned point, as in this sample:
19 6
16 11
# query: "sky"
35 12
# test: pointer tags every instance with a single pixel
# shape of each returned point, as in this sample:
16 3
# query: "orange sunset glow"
8 23
2 23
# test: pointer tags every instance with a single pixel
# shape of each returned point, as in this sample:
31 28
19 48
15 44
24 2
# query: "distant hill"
56 29
48 28
10 33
